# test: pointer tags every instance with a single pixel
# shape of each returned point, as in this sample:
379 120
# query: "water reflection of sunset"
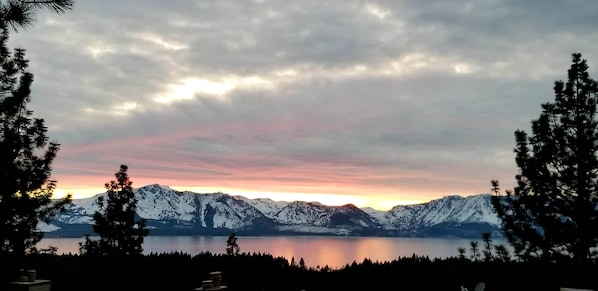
316 251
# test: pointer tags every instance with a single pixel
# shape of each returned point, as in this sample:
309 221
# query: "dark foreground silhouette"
184 272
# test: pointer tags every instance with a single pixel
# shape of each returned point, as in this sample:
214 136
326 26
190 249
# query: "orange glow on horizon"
277 186
330 180
378 202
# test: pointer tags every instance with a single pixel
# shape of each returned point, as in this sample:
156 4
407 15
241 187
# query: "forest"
262 272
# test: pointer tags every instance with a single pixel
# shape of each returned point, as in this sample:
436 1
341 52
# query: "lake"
316 251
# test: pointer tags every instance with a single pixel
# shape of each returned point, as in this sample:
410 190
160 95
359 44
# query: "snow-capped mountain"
171 212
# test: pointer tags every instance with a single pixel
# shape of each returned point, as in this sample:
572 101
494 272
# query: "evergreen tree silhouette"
552 213
115 222
17 14
232 248
26 155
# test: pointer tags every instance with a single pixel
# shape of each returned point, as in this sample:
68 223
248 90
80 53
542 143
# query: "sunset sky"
375 103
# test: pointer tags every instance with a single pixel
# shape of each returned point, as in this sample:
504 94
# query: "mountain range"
171 212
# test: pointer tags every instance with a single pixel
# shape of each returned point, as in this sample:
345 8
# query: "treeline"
183 272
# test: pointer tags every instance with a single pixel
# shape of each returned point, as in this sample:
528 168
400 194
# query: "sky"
374 103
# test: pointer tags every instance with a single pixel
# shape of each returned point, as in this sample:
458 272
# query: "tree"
115 222
475 252
26 155
502 253
487 239
20 13
293 263
302 264
462 251
232 248
552 213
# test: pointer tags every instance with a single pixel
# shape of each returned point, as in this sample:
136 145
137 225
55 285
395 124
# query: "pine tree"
552 213
232 248
20 13
26 155
115 222
293 263
502 253
487 239
302 265
462 251
475 252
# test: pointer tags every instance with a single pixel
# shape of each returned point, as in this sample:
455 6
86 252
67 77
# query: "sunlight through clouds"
189 88
170 45
220 89
121 109
410 63
286 73
98 49
377 11
124 108
463 69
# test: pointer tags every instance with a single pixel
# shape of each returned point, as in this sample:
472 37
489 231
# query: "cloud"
411 99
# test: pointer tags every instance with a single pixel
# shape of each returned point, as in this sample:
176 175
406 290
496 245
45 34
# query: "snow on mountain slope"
159 202
453 209
170 209
267 206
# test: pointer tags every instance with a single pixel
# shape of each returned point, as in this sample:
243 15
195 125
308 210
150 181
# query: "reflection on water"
332 251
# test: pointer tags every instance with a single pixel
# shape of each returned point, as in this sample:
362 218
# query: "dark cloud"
412 100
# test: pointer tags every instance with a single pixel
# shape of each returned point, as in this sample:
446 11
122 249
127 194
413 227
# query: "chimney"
214 283
28 282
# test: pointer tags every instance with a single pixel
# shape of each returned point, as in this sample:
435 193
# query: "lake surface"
316 251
